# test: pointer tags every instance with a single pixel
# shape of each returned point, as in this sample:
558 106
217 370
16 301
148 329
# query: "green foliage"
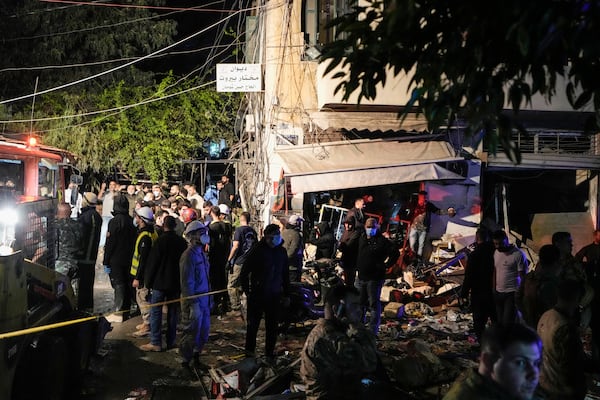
150 138
470 58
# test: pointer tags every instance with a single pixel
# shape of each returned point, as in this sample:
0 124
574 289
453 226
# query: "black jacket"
479 273
349 247
120 240
323 238
375 254
91 225
220 233
265 273
144 249
162 272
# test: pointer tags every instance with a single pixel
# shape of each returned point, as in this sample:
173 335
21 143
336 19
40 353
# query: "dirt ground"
122 371
407 347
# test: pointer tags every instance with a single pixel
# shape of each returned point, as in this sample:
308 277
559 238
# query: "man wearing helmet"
188 215
144 220
225 213
194 270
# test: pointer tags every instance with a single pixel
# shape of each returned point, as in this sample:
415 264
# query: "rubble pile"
423 347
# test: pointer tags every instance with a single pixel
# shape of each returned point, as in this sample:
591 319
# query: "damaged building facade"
301 146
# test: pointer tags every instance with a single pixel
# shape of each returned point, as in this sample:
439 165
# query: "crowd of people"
176 250
555 300
171 249
528 320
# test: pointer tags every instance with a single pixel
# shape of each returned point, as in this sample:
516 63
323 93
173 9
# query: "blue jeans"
370 292
159 296
416 240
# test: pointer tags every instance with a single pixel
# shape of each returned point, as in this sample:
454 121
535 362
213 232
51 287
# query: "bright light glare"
8 217
5 250
8 221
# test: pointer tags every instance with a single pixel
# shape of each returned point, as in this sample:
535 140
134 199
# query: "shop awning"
360 163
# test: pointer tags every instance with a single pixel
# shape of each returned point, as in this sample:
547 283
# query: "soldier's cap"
195 226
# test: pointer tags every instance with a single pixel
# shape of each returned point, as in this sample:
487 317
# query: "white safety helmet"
196 226
224 209
145 213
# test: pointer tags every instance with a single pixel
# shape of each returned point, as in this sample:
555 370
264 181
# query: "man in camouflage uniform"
340 352
69 237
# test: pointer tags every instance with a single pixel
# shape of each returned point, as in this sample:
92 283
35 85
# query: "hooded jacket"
120 239
323 238
292 243
193 270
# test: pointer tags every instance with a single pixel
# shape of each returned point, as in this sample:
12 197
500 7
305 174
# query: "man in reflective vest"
144 220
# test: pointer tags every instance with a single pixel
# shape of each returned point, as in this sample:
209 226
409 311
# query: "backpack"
249 239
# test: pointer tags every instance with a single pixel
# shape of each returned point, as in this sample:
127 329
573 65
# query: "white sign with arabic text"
239 78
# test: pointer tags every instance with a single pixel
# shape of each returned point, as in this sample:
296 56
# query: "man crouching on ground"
340 354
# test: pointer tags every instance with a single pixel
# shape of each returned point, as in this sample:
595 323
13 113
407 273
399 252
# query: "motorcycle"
307 297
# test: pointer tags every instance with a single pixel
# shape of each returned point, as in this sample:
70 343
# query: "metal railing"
564 143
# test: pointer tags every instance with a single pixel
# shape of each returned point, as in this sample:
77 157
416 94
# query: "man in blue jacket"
195 284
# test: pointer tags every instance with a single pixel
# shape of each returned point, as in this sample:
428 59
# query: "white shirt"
76 208
108 202
509 266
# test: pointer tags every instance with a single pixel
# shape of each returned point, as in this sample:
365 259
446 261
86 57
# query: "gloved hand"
107 269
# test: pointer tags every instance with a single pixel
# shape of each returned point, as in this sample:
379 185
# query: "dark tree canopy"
471 58
141 118
37 34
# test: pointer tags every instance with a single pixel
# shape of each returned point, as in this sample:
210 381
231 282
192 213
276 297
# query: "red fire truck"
45 341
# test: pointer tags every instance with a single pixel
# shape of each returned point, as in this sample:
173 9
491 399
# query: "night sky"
190 22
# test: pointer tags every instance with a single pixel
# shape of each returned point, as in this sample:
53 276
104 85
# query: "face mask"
156 193
205 239
371 231
276 240
135 222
